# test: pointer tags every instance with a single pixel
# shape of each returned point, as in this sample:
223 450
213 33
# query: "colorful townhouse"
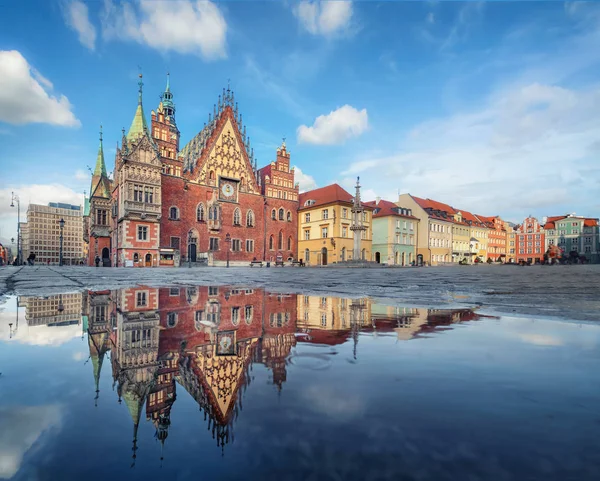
394 233
511 236
496 237
478 231
324 227
576 236
461 240
530 241
434 233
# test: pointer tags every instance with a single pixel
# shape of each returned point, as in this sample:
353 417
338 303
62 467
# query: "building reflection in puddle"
206 339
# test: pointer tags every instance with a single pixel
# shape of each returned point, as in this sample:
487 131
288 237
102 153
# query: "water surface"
227 383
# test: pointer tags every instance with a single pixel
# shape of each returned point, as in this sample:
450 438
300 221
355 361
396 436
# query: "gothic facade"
204 203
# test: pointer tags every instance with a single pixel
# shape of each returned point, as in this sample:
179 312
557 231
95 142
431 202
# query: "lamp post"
61 223
12 204
228 242
12 242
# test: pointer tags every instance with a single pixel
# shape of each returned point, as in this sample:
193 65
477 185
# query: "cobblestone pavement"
569 292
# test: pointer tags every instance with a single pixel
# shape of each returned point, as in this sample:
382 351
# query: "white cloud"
307 182
430 18
82 175
526 148
541 339
77 17
324 17
335 127
79 356
25 95
20 428
183 26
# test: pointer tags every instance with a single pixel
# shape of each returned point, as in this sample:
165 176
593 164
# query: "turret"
100 169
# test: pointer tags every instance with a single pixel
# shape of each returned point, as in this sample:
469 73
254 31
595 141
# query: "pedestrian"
97 261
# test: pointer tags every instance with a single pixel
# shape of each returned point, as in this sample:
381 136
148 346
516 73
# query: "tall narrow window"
271 243
237 217
289 246
289 216
281 214
274 214
280 241
200 213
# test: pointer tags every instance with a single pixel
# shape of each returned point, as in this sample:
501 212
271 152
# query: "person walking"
97 261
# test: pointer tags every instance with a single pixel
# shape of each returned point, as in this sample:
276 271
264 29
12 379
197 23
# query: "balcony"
133 207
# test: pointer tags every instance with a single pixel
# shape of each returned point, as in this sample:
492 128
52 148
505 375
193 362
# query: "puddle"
229 383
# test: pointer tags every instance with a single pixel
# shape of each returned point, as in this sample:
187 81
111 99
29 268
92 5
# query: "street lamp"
12 242
12 204
228 242
61 223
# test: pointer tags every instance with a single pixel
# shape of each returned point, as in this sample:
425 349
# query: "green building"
576 236
394 233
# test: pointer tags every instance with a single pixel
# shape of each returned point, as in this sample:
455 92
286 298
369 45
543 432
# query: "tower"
357 221
166 134
98 212
137 194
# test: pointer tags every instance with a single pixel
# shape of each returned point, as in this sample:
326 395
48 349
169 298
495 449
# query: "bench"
279 263
256 263
298 264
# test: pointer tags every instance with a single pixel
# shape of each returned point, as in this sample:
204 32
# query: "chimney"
377 200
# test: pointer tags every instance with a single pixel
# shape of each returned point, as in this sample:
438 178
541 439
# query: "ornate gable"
226 156
144 151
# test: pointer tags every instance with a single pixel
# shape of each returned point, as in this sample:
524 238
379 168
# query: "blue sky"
491 107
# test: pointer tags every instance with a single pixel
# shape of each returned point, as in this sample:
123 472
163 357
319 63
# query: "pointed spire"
139 126
168 89
100 166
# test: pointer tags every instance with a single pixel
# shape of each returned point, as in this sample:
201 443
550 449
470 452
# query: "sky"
491 107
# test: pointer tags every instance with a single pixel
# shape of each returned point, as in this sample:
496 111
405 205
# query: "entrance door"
419 259
148 260
192 252
377 257
106 257
324 256
403 259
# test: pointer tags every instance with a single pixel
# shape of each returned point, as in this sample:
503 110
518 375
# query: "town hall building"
207 202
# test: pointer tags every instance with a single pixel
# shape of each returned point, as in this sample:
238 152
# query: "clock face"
228 190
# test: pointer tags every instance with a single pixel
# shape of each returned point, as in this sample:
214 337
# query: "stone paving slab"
569 292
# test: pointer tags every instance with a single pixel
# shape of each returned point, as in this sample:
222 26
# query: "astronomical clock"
228 189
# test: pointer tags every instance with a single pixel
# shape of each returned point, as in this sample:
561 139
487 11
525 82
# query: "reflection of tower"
98 330
357 314
136 350
275 350
357 226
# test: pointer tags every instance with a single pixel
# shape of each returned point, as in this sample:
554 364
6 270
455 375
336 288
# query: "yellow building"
332 313
434 239
324 221
511 237
461 240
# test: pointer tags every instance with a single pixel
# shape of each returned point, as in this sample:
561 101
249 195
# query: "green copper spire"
100 166
167 99
139 126
168 89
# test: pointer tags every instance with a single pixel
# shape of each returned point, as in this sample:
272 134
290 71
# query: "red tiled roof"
590 222
386 208
549 225
434 204
325 195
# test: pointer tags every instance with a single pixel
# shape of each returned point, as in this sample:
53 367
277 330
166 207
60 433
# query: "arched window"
237 217
250 218
211 175
174 213
213 212
271 243
281 214
280 241
274 214
171 319
136 257
200 213
289 216
289 243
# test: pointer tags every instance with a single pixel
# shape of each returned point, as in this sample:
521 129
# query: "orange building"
530 240
497 238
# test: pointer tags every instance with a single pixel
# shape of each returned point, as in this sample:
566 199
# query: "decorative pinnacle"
100 133
141 84
168 89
